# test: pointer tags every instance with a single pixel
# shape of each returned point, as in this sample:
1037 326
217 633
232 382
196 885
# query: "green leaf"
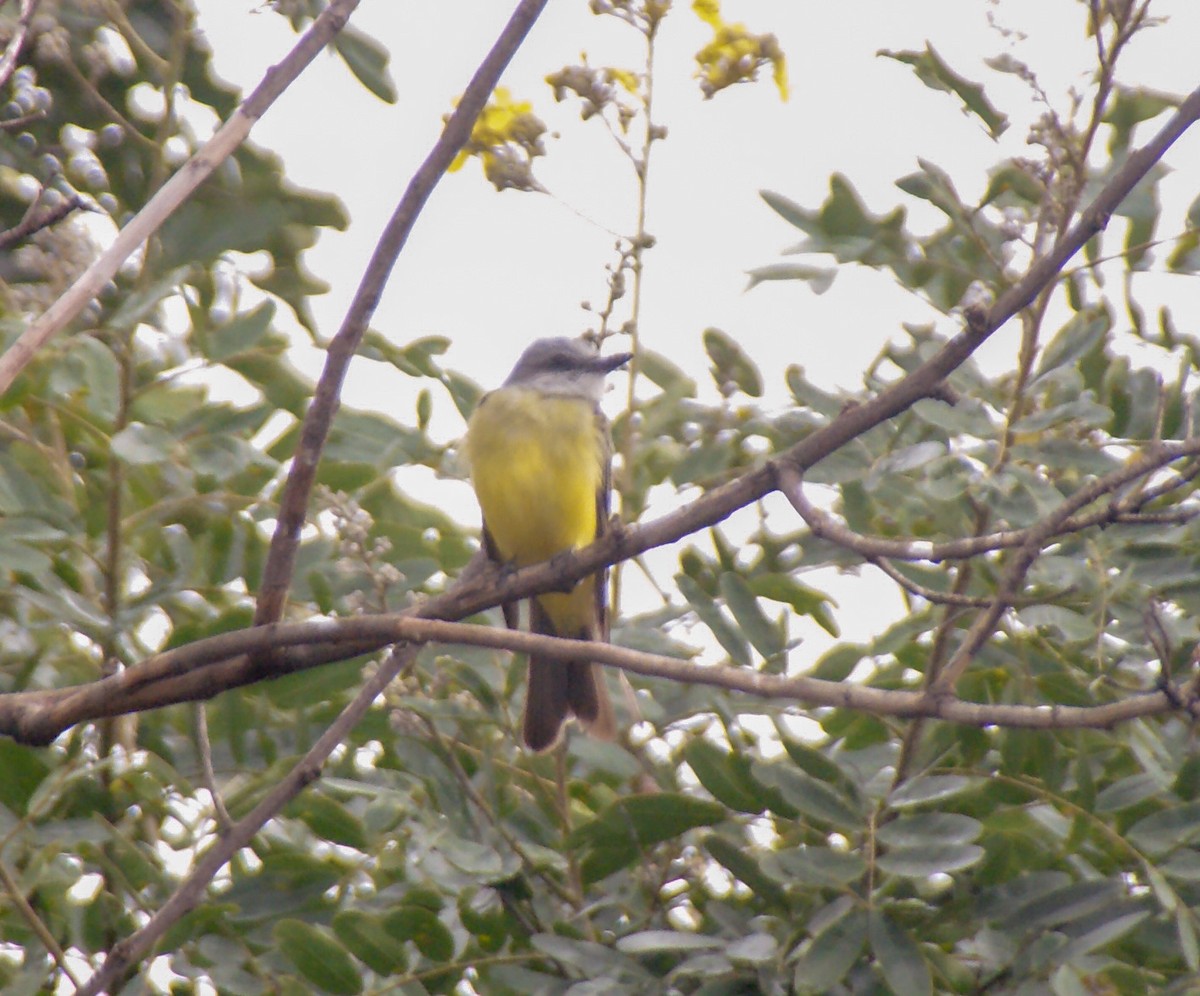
328 819
930 788
100 373
935 74
366 938
18 556
1081 334
929 858
139 304
791 212
1068 624
904 970
753 949
660 941
221 457
421 925
592 960
1167 829
837 663
927 829
815 799
740 862
818 278
620 835
243 331
905 460
318 957
763 634
830 954
140 444
1126 792
1102 935
709 613
1064 905
23 770
805 601
1129 106
368 61
726 775
1186 928
665 374
281 384
731 365
822 867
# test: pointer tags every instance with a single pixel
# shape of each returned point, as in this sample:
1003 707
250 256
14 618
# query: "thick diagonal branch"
293 505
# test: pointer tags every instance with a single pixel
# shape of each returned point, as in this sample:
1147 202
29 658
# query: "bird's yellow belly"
537 464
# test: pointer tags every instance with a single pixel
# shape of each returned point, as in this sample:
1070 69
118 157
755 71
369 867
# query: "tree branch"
174 192
293 505
12 51
35 220
131 949
36 717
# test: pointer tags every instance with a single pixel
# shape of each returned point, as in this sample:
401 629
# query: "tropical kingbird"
540 458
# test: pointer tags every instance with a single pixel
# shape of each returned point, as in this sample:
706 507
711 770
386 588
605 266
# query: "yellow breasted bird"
540 458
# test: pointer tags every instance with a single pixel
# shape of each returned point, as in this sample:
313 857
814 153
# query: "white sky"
491 271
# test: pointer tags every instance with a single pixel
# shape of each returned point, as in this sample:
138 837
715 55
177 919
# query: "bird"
540 456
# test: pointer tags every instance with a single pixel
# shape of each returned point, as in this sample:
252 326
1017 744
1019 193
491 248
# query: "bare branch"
12 51
36 717
35 220
293 505
131 949
174 192
929 594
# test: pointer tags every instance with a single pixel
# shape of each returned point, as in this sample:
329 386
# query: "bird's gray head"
562 366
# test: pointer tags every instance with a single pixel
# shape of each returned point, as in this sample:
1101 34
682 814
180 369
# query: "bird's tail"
557 690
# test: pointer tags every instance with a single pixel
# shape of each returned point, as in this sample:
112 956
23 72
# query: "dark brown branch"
205 668
952 598
133 948
35 220
293 505
166 678
12 124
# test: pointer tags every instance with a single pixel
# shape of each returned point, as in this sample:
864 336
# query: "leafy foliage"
727 845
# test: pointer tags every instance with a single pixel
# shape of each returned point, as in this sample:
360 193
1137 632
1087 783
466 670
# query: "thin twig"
208 775
130 950
929 594
34 220
36 924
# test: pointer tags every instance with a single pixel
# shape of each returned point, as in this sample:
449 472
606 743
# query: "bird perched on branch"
540 456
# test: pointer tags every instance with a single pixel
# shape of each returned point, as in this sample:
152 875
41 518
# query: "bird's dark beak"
610 363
